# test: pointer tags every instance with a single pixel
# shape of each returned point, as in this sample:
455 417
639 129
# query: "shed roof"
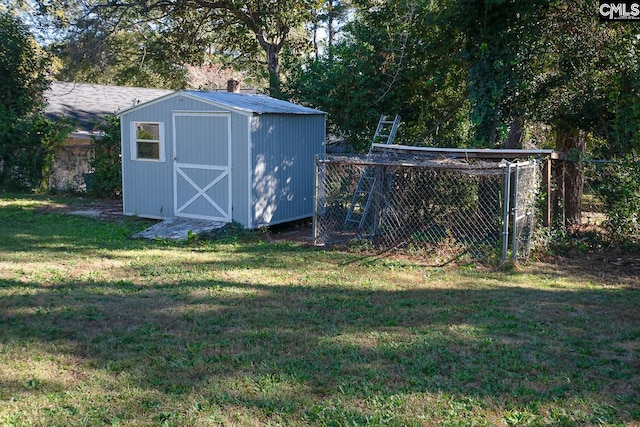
253 103
242 102
87 102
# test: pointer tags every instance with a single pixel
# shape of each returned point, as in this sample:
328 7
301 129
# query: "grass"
100 329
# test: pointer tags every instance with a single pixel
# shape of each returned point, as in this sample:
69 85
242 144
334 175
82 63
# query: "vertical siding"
283 152
272 164
240 164
147 185
203 139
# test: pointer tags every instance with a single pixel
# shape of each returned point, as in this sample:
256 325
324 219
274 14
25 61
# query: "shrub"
106 180
618 186
28 156
27 139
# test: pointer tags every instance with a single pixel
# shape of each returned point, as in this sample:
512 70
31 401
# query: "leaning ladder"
363 196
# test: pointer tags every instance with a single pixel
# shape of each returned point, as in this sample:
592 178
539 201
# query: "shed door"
202 165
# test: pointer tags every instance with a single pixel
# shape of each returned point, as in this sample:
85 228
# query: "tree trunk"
274 72
514 139
272 51
314 39
573 143
330 31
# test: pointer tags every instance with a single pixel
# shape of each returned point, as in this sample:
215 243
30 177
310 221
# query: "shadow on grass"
284 349
304 352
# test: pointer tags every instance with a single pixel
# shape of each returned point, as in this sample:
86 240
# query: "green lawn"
100 329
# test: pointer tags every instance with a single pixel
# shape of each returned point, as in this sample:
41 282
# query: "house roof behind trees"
86 103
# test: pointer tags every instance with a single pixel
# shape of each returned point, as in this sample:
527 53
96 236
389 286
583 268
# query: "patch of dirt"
297 231
609 267
108 209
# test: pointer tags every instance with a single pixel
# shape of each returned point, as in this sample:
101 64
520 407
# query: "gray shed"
220 156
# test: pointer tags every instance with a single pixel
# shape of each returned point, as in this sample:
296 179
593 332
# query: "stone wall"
72 163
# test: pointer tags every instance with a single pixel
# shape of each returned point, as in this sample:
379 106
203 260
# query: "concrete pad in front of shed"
89 213
178 228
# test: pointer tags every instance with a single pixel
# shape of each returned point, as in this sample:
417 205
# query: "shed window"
148 141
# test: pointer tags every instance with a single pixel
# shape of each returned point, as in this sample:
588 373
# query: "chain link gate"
395 201
525 178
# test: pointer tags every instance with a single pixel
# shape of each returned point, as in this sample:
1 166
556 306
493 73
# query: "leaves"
27 139
618 186
106 179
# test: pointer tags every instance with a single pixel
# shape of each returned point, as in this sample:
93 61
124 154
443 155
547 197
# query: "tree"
496 45
257 30
95 52
23 68
390 61
27 140
90 47
329 19
584 84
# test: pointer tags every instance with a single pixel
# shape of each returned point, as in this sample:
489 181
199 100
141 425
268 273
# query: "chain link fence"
523 204
433 206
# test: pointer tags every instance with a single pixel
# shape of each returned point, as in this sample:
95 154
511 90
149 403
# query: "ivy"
618 186
28 140
106 179
29 154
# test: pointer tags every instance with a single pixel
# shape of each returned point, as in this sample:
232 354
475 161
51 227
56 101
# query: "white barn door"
202 165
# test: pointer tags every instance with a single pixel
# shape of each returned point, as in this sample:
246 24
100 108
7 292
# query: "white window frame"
134 141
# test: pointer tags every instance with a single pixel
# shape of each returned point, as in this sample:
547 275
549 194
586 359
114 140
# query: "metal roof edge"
144 104
193 94
196 94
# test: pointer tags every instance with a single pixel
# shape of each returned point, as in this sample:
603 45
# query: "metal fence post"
514 230
505 212
316 183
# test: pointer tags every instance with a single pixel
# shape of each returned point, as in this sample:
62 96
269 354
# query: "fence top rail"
470 153
404 160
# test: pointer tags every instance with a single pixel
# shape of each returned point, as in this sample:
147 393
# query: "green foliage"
106 179
618 186
386 65
93 52
28 157
343 90
622 134
142 44
23 69
27 140
461 72
496 46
